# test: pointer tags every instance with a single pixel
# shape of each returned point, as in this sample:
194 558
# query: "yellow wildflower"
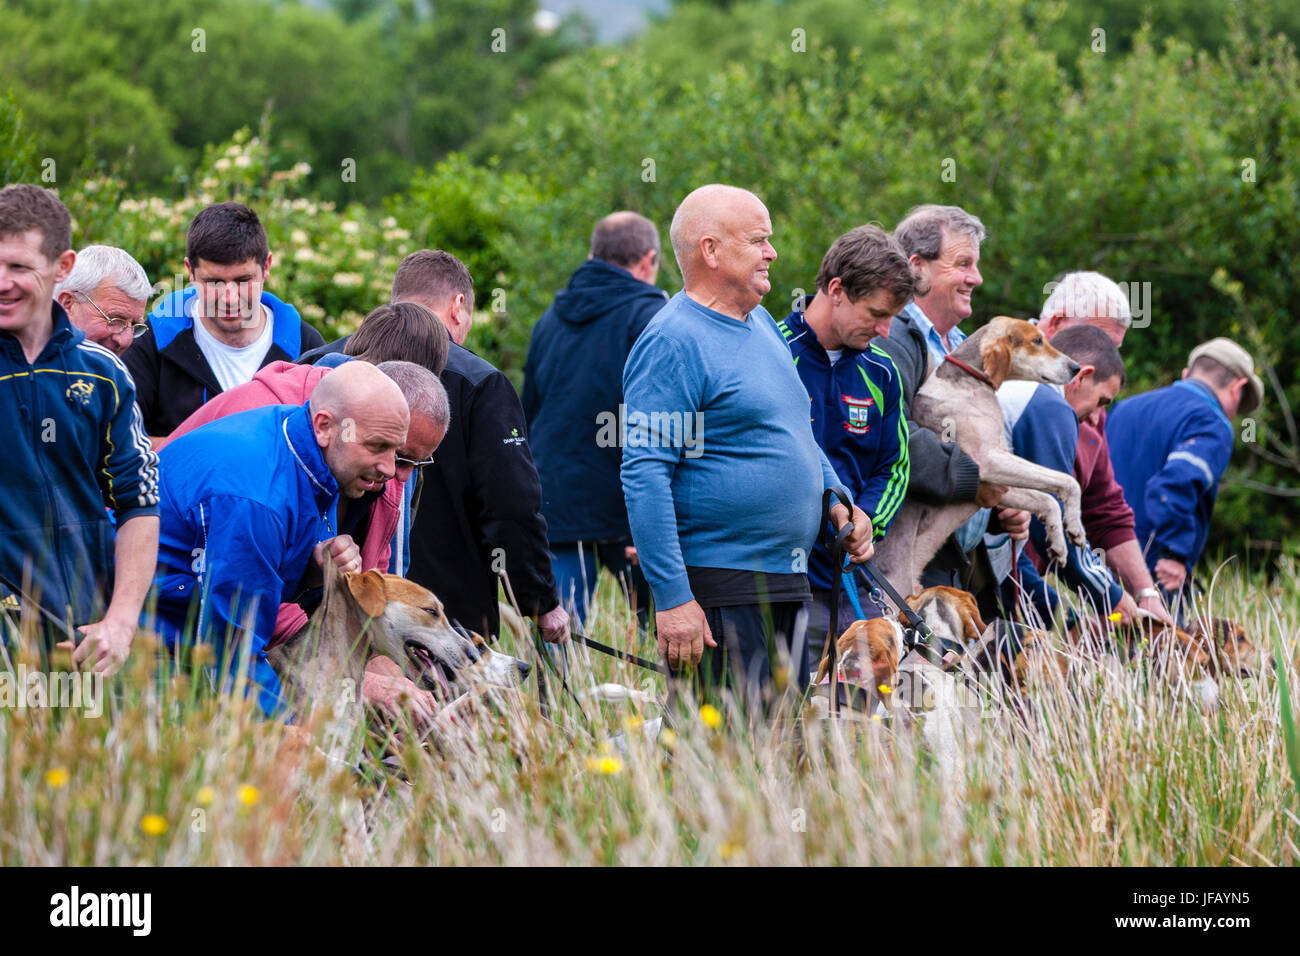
249 795
605 765
56 778
711 716
153 825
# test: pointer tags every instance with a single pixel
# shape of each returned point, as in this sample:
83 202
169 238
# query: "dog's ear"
368 591
972 623
996 358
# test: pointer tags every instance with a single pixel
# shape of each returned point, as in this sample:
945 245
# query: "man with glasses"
106 296
573 387
219 331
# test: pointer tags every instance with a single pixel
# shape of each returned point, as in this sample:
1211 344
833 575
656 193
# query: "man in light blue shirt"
943 245
721 474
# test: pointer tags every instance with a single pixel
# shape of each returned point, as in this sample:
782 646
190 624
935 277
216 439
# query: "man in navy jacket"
1042 426
1171 447
856 397
573 391
77 448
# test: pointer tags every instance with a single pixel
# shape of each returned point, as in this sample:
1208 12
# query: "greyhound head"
410 625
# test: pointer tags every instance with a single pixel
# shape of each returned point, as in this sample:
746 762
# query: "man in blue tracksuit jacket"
77 451
1171 447
856 398
1041 424
247 498
573 391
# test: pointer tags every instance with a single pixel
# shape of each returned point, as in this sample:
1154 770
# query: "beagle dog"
1228 647
866 665
958 401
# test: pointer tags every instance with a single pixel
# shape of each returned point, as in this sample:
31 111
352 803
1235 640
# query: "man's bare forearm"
1129 564
135 557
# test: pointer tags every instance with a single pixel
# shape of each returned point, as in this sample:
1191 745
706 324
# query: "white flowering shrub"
334 265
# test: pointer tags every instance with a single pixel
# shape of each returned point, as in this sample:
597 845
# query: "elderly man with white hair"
721 473
106 296
1090 298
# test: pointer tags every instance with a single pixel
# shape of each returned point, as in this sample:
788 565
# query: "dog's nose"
1074 369
524 668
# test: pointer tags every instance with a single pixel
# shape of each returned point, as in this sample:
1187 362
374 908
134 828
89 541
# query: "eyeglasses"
116 325
414 464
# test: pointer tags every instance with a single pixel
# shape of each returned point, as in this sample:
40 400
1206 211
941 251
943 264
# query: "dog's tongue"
430 665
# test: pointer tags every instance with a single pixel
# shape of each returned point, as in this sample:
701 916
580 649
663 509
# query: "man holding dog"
249 501
942 244
1172 447
856 400
723 532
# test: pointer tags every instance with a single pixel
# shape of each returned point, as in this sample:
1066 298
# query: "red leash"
971 371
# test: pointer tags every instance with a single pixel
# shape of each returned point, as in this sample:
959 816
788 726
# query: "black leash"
918 633
836 548
615 652
545 660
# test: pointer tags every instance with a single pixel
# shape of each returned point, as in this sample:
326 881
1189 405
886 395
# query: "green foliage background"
1161 151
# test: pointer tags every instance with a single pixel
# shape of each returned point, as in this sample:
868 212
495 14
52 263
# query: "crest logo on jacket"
81 390
859 414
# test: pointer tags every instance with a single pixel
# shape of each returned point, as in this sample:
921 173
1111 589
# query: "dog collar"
971 371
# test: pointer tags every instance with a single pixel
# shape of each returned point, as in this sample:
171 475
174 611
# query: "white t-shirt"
232 366
834 355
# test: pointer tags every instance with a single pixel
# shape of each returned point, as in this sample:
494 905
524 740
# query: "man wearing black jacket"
215 334
479 510
573 408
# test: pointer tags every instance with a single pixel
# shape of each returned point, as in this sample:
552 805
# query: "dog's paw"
1056 548
1077 534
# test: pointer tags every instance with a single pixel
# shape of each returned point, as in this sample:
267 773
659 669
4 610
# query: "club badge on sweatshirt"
859 414
514 438
81 390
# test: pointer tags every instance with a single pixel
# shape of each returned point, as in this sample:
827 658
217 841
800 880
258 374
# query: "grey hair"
424 394
623 238
922 229
98 264
1087 295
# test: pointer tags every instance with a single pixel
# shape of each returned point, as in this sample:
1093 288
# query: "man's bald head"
720 238
360 419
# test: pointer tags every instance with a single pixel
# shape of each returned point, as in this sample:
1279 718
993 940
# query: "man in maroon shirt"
1089 298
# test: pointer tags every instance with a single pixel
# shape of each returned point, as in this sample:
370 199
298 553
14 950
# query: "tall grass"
1119 769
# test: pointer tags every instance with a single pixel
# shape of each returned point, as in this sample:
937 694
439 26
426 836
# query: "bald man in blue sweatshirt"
722 476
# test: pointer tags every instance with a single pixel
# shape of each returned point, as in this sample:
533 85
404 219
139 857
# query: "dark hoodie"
573 385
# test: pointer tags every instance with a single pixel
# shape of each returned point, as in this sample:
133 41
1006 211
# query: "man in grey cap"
1170 447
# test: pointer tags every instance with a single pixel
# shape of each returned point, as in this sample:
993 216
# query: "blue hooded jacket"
573 383
77 446
1170 448
244 500
171 373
